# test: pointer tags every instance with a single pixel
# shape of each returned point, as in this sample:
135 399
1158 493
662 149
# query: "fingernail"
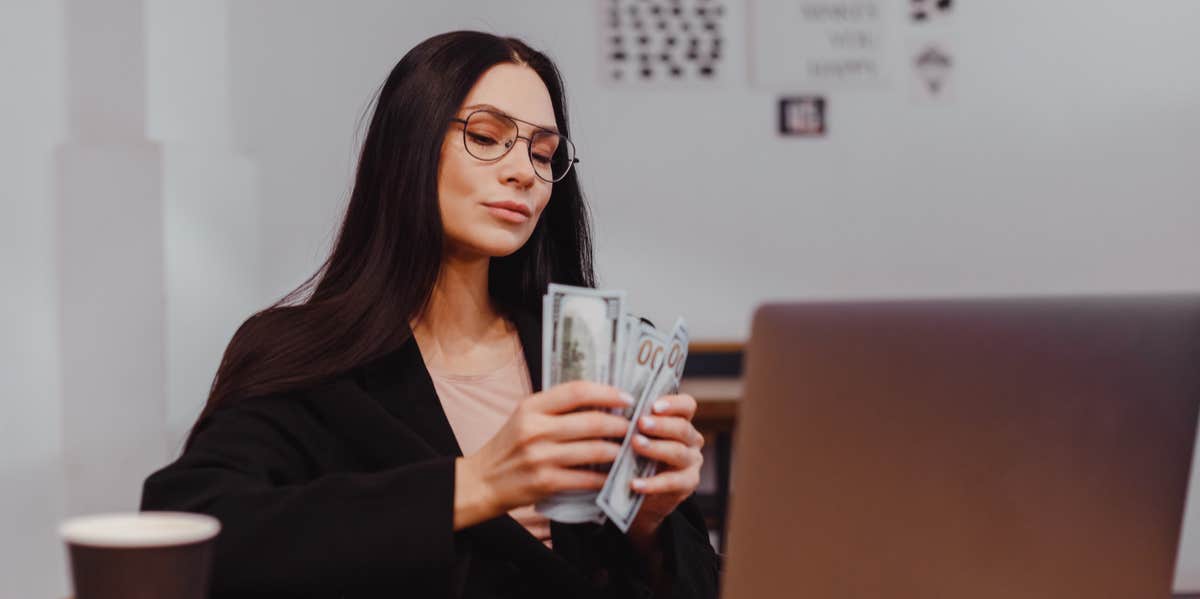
638 485
660 406
641 440
648 423
627 398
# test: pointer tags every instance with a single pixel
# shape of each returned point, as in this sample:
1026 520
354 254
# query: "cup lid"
145 529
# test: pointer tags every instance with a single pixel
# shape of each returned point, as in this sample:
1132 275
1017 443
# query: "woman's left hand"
668 437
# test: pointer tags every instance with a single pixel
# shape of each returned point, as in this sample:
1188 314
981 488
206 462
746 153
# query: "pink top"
478 405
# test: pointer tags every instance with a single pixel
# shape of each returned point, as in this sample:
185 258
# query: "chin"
497 243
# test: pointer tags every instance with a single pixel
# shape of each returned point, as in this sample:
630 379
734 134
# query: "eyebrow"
493 108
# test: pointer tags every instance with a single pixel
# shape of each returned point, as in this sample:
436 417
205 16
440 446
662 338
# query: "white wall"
210 198
1063 163
109 244
33 120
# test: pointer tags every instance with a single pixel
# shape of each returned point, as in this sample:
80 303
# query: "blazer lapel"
401 383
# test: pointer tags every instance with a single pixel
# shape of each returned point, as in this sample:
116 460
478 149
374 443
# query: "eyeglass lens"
488 136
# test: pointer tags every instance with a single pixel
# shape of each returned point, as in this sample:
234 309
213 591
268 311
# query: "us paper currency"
629 327
617 499
677 353
645 349
582 330
581 340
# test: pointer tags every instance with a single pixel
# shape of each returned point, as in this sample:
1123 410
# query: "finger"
671 427
588 424
580 453
683 405
674 454
681 482
574 395
675 405
569 479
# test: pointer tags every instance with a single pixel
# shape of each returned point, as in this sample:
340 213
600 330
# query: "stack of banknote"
588 335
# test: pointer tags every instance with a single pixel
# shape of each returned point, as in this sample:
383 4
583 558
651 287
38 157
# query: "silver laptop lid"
1017 448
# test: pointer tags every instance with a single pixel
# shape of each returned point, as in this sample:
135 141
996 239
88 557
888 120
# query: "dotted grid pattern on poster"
646 42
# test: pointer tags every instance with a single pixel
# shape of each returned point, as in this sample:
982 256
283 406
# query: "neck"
460 313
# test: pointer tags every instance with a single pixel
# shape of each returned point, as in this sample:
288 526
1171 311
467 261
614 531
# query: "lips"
513 206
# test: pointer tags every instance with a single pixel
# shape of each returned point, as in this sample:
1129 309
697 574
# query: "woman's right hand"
532 455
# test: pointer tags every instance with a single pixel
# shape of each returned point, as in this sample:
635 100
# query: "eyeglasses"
489 135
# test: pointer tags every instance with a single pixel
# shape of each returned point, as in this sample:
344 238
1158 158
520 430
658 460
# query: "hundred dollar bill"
645 349
677 353
616 498
629 326
581 338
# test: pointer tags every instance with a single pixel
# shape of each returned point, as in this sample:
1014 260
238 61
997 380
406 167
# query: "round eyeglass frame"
528 143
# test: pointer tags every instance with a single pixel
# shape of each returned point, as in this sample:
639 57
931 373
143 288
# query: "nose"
516 166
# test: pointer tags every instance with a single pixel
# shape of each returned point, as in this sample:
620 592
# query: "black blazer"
347 490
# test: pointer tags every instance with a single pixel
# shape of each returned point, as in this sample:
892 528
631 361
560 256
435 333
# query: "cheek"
454 181
541 203
450 168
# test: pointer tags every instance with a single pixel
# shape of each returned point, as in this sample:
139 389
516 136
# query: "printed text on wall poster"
817 44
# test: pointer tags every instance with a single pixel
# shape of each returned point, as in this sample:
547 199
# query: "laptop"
991 448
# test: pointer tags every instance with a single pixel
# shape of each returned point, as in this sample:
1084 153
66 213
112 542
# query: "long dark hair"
381 271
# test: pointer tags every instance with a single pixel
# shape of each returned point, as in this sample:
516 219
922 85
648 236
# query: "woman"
384 436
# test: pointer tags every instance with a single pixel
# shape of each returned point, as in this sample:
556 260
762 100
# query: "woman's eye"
481 139
541 159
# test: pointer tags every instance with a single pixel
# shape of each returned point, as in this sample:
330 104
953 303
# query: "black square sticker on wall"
802 116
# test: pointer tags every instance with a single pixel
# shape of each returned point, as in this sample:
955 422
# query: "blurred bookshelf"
713 375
